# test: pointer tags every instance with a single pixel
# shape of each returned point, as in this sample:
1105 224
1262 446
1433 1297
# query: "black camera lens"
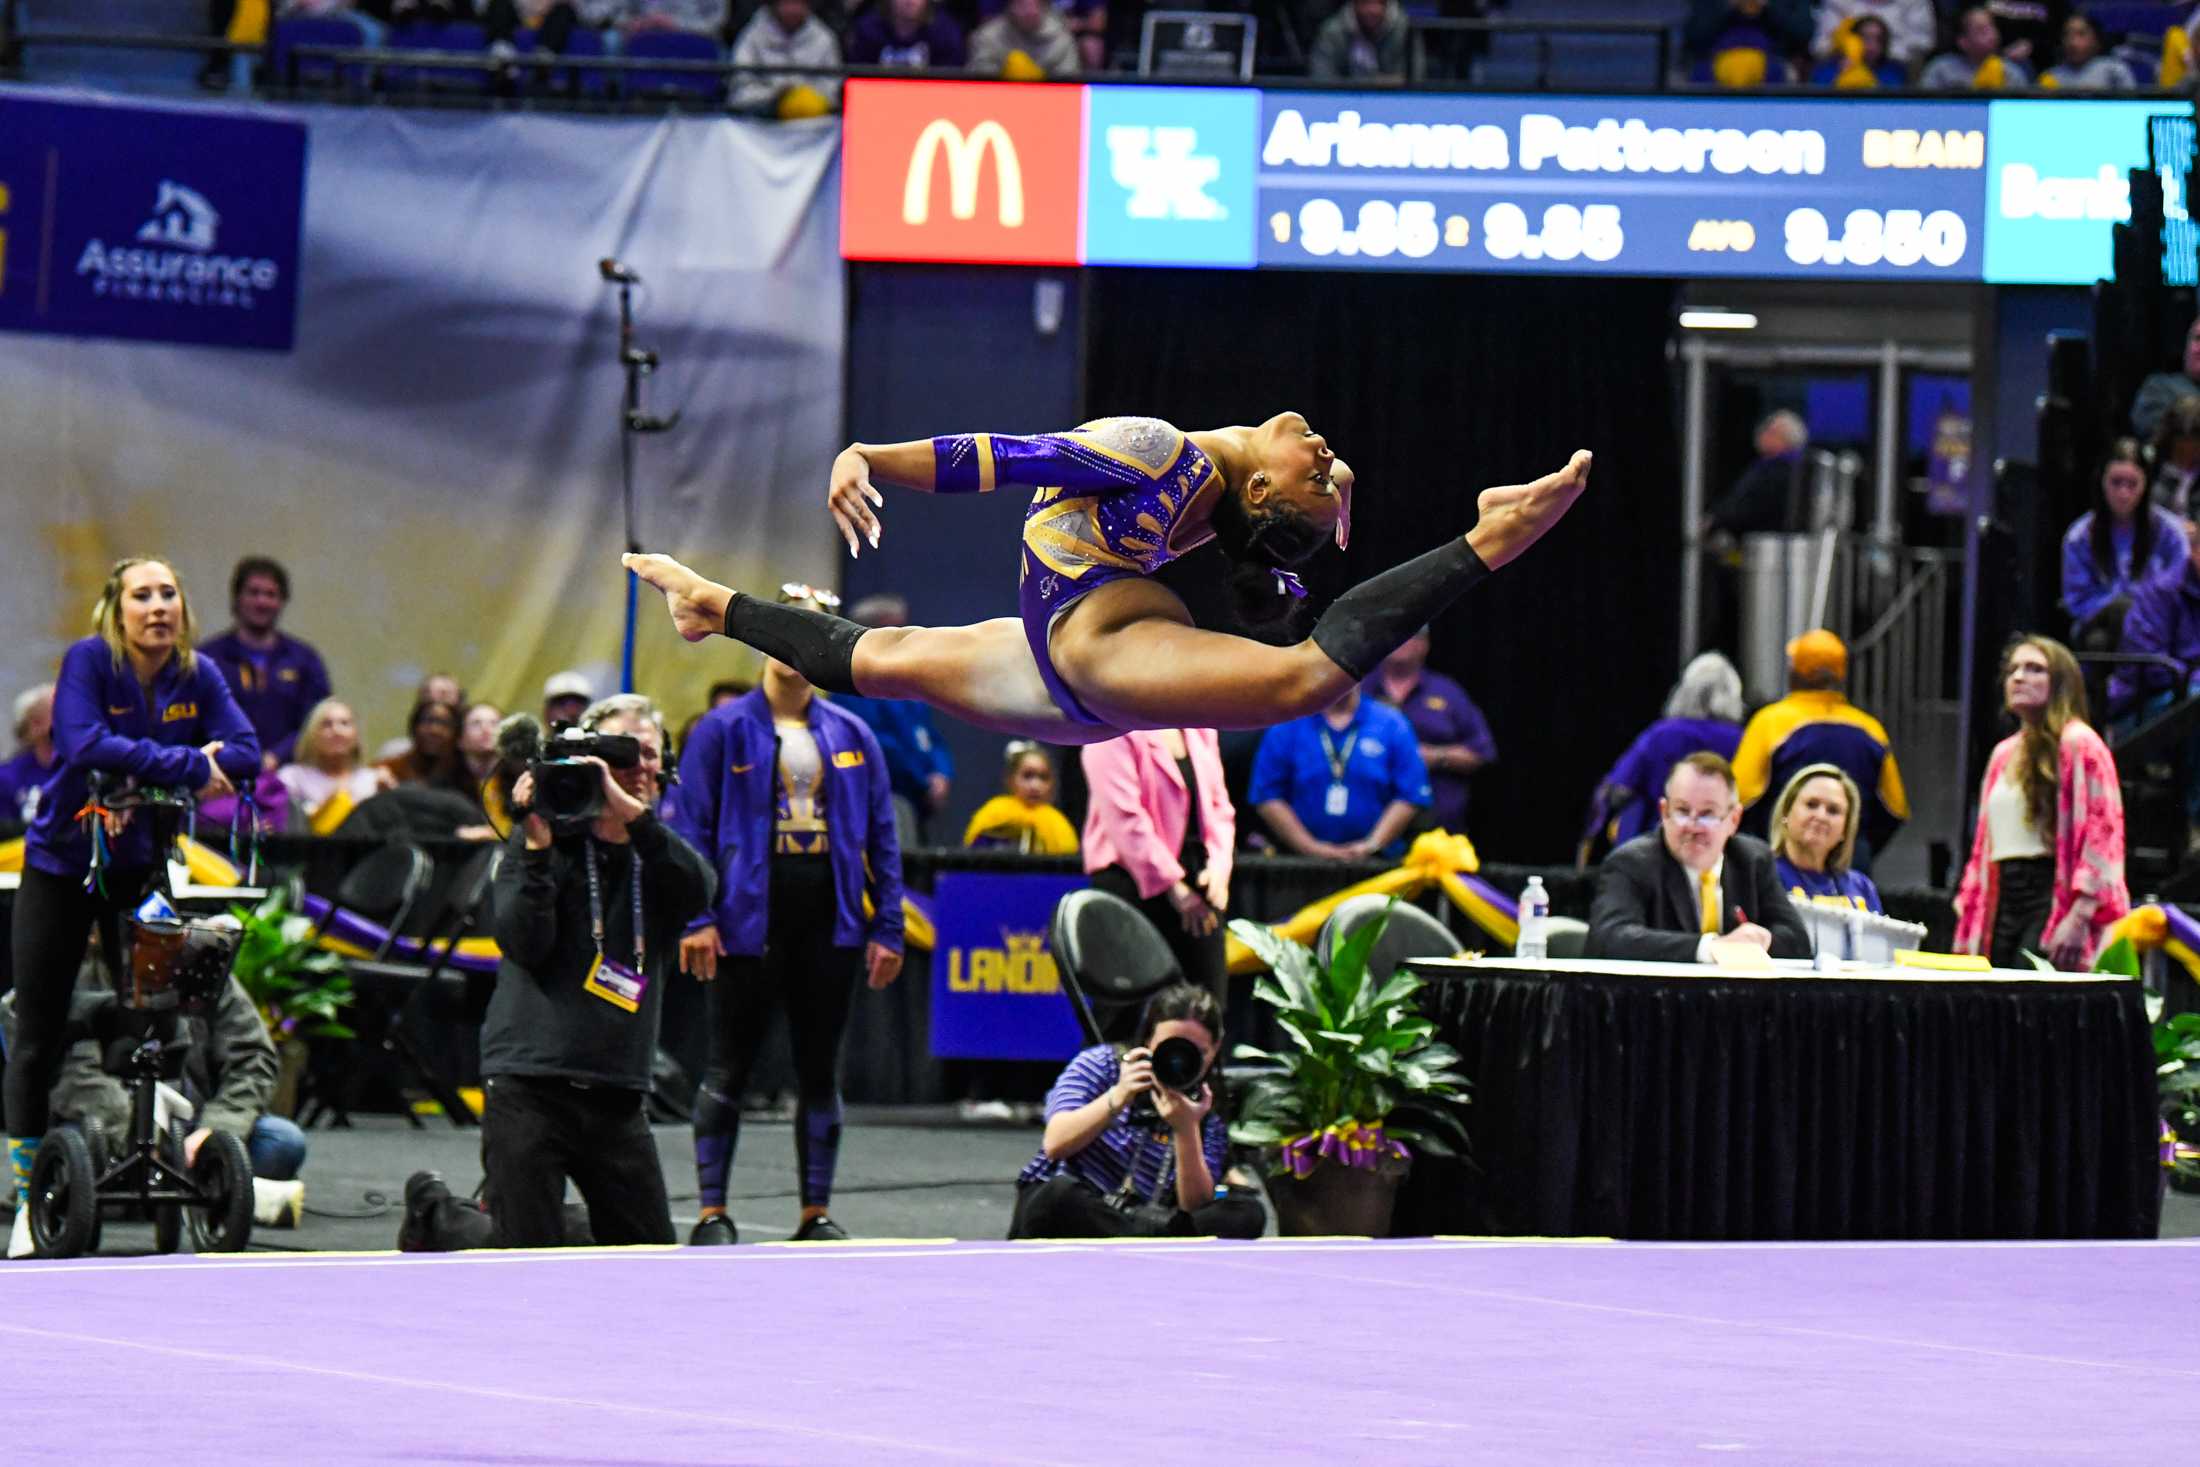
1178 1064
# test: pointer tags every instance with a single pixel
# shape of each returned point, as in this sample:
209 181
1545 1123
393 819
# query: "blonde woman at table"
1814 839
2047 861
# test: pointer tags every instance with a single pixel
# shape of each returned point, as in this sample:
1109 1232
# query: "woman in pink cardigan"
1142 844
2047 863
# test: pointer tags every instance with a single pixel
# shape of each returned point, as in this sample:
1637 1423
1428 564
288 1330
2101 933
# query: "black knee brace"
1373 619
819 646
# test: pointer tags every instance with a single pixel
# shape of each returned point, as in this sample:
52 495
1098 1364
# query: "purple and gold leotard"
1110 496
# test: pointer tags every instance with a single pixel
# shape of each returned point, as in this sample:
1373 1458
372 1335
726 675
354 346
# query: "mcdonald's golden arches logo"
961 171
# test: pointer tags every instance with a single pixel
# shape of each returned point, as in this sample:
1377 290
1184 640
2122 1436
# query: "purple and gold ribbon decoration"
1347 1143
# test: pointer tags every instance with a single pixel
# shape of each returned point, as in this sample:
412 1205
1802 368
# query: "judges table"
1650 1100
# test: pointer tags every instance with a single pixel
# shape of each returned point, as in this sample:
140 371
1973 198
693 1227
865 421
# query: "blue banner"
150 223
996 993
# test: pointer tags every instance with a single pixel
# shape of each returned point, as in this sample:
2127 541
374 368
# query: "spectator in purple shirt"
276 679
907 33
24 776
1455 738
1703 713
1124 1155
2117 548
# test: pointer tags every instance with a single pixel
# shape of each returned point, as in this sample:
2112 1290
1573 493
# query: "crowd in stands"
799 45
2003 45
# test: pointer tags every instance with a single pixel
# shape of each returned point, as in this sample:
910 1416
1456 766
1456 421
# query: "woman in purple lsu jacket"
135 700
1099 647
789 798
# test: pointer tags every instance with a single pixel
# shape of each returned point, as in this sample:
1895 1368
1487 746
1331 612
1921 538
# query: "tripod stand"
637 363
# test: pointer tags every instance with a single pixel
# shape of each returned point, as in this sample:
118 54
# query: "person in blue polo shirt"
787 796
1342 783
132 700
276 679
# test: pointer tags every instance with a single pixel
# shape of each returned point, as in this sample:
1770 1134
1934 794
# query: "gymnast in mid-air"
1100 647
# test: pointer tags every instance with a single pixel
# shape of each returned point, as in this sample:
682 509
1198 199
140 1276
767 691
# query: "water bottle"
1534 944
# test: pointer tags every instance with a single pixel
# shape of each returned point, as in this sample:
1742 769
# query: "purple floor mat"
1268 1352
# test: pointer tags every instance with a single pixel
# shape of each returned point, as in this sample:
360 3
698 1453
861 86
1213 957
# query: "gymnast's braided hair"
1262 541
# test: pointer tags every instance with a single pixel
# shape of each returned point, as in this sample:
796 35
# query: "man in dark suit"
1666 896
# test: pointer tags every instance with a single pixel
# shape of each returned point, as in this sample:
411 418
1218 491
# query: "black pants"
2020 912
803 972
536 1134
53 917
1205 960
1065 1207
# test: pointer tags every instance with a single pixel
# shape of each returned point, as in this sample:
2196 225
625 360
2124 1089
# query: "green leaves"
299 986
1358 1050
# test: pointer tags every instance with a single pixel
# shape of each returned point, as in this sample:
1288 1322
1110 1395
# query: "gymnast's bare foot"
1515 516
698 606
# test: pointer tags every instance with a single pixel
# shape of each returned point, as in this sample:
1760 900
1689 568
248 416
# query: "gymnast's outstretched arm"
978 463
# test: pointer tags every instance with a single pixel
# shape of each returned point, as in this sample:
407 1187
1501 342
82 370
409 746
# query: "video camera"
568 789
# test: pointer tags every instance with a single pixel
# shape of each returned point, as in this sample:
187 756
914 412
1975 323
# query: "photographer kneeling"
1133 1144
590 904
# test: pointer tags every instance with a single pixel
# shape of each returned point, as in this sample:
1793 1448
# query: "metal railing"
1900 668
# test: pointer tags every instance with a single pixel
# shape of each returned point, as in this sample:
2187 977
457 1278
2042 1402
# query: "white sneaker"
985 1110
278 1204
19 1239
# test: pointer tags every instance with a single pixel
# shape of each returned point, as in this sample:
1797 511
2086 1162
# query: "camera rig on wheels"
173 967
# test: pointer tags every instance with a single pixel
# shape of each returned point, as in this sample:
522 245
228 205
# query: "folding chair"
1111 960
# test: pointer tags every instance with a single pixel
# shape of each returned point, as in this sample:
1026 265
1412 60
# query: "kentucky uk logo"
1166 178
173 258
966 154
1020 965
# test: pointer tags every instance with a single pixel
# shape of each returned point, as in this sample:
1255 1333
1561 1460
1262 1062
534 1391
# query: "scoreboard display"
2005 191
1623 186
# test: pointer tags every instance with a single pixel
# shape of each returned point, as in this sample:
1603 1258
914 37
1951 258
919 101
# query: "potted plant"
2177 1076
1361 1061
298 986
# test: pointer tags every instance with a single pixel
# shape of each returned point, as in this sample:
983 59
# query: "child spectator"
1023 818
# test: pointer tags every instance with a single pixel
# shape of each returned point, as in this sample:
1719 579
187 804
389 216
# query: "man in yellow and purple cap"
1817 724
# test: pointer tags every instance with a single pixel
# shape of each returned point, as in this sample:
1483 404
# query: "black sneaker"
715 1231
424 1193
821 1230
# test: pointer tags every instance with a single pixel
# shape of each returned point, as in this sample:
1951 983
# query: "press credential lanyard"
595 905
1338 796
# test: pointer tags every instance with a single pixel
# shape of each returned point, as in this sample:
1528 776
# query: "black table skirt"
1703 1107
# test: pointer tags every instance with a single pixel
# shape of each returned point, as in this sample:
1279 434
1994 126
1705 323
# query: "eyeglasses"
1701 819
792 591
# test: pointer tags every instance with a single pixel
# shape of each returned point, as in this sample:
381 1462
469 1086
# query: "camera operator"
1133 1144
588 915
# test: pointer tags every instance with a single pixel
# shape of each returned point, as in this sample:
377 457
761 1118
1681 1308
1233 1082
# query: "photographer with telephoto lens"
1133 1142
590 902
